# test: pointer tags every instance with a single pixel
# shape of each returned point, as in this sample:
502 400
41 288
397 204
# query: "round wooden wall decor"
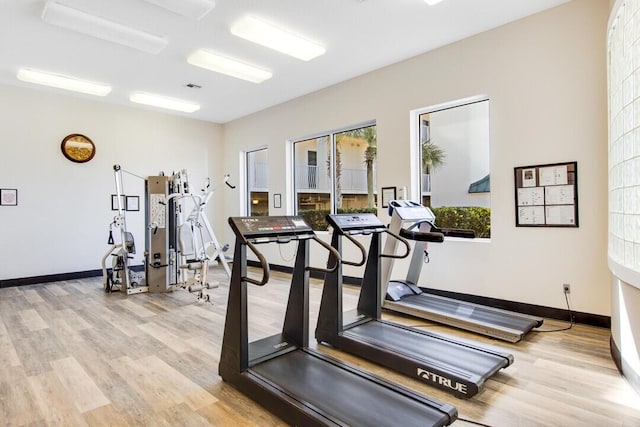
78 148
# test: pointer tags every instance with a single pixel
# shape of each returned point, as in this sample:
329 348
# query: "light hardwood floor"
71 355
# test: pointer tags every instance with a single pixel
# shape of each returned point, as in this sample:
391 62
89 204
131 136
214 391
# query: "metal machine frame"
168 264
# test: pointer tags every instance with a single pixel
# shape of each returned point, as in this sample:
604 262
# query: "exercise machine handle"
226 181
422 236
362 251
330 249
458 232
404 241
264 265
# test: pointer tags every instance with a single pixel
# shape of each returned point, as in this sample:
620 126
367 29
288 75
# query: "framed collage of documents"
547 195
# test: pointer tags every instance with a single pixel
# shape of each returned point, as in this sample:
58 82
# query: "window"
453 147
334 173
624 143
257 182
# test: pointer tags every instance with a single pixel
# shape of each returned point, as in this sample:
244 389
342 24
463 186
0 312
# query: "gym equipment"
300 385
179 247
457 367
417 222
120 277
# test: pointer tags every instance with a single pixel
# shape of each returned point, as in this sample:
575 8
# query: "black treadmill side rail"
234 356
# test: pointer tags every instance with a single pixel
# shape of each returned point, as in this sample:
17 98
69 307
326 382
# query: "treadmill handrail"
422 236
401 239
457 232
447 232
362 251
264 265
330 249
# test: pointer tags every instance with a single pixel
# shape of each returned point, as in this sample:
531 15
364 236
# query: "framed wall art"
547 195
132 203
388 194
78 148
8 197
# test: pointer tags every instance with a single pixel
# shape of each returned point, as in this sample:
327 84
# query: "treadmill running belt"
431 348
347 396
473 312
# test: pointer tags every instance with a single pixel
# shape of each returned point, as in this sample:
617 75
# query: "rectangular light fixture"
194 9
164 102
63 82
268 35
70 18
228 66
432 2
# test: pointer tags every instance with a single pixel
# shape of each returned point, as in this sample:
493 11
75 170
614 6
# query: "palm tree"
370 154
433 156
338 170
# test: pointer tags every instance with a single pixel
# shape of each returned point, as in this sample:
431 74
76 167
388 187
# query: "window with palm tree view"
455 181
335 173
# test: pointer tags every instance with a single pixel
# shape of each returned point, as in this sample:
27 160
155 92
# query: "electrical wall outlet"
566 288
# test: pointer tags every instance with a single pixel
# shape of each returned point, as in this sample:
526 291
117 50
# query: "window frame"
415 164
247 190
331 134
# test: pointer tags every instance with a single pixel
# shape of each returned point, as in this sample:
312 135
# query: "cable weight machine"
179 241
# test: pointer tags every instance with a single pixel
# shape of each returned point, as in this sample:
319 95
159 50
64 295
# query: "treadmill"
417 222
458 367
300 385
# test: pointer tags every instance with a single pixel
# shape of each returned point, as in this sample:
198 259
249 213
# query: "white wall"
545 77
463 134
62 221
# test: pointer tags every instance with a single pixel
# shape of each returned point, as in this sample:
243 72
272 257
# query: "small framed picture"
133 203
277 200
114 202
388 194
8 197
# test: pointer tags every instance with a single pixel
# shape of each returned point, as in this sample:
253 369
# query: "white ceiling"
359 36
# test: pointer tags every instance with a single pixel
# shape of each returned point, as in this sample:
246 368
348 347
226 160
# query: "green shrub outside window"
465 217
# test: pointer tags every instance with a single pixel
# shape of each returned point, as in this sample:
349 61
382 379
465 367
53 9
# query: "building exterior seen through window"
257 182
454 166
335 173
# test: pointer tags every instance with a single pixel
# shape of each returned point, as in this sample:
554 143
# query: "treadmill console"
271 228
409 210
360 222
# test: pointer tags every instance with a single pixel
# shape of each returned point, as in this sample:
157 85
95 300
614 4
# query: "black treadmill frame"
332 329
237 363
420 303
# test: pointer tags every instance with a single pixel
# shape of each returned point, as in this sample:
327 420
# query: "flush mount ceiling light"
63 82
432 2
194 9
268 35
230 67
163 102
70 18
